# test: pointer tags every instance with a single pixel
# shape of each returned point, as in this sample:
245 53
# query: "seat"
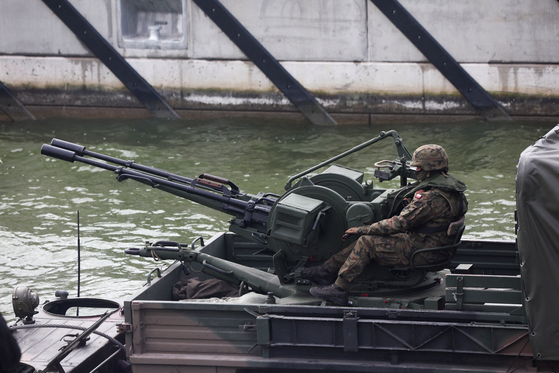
457 227
405 277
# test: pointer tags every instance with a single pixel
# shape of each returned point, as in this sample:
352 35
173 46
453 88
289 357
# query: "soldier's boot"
319 275
332 293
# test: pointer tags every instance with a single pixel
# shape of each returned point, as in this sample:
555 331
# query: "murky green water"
40 197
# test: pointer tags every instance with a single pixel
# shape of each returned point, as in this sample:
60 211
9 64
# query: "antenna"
79 254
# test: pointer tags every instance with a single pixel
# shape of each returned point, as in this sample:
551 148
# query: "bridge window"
152 24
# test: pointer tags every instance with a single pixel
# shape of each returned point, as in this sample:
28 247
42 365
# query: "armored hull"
449 327
472 320
63 337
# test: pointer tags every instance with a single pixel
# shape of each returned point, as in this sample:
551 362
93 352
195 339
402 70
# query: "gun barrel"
58 153
70 156
78 149
82 151
202 190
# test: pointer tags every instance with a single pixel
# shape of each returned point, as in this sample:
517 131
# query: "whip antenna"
79 256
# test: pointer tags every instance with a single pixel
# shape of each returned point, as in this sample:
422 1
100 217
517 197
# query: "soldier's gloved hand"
348 232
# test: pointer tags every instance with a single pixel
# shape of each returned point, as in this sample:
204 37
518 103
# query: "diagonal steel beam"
12 106
441 59
88 35
256 52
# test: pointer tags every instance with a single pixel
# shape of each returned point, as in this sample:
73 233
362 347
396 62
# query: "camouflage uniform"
392 241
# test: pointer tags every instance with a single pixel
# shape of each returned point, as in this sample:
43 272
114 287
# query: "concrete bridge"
352 58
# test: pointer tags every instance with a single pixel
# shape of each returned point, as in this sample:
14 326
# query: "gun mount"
301 227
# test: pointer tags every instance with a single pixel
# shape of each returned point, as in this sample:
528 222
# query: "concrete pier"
345 52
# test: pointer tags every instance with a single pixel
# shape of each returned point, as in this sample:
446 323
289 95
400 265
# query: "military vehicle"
489 308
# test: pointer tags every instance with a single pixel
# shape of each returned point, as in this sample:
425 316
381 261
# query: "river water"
40 196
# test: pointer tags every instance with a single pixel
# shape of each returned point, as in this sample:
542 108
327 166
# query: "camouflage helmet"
430 158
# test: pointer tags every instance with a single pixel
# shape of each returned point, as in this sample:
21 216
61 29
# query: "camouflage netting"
537 201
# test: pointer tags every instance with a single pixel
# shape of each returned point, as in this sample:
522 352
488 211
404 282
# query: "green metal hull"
437 330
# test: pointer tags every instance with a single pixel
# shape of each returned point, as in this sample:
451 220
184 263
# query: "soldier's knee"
366 242
362 240
365 245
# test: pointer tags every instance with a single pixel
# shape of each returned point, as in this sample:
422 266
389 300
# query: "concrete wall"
346 52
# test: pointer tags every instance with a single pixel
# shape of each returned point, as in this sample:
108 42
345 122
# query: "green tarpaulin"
537 203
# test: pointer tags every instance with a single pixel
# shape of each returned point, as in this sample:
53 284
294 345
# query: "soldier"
436 201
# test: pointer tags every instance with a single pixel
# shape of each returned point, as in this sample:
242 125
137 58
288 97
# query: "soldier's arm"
424 207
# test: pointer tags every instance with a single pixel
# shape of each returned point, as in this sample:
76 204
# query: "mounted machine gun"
301 227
